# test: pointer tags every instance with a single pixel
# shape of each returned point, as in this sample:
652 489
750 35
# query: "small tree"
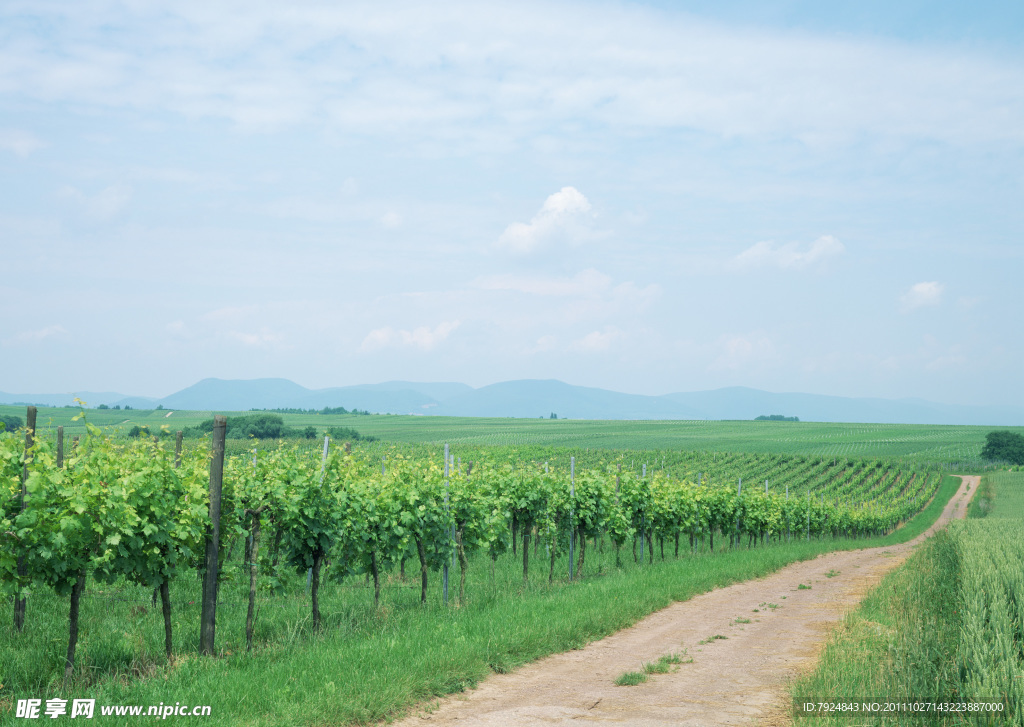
1004 445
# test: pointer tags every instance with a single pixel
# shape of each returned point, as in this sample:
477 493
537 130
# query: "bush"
9 423
259 426
1004 446
348 434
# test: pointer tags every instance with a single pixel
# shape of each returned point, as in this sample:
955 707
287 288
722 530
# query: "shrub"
1005 446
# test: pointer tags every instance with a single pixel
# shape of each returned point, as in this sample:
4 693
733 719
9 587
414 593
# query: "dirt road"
738 680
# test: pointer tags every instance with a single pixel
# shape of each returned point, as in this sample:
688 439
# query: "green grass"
630 679
663 665
1001 495
366 665
899 646
944 626
711 639
983 500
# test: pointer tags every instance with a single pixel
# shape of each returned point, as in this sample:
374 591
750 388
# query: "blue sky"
646 197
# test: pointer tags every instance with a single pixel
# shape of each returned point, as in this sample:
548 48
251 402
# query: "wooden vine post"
208 620
254 556
30 431
572 511
444 571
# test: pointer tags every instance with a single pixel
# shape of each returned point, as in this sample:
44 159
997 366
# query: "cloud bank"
791 255
922 295
564 215
423 338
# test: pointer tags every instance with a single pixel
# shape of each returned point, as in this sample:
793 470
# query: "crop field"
946 627
379 552
953 447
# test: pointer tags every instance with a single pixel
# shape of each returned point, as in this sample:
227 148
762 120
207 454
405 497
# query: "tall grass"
899 646
946 626
991 651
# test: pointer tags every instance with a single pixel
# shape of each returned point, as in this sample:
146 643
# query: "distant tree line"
1004 446
271 426
775 418
326 411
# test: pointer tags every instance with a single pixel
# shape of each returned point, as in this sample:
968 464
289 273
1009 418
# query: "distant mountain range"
540 398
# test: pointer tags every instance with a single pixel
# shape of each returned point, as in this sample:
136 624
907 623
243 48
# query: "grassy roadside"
371 666
944 626
984 499
898 646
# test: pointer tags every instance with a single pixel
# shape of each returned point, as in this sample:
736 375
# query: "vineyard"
329 537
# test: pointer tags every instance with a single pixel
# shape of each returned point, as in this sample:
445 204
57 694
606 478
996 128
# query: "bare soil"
738 680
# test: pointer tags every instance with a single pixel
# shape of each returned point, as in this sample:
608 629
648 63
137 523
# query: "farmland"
377 631
945 627
950 446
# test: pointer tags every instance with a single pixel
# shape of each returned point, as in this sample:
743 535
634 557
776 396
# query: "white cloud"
230 313
38 335
544 343
740 352
102 206
391 220
953 360
565 214
629 293
264 338
585 282
423 338
791 255
177 328
596 341
19 142
453 69
349 187
304 208
922 295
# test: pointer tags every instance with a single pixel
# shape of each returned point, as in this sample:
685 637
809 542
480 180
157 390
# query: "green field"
954 447
944 627
370 663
